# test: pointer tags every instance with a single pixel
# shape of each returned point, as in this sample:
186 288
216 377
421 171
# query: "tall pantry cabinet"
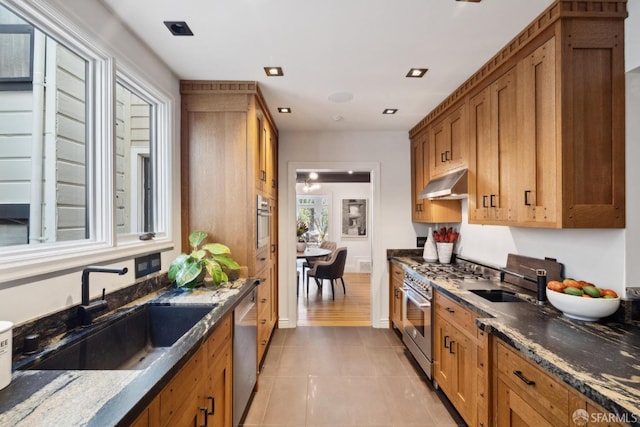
229 157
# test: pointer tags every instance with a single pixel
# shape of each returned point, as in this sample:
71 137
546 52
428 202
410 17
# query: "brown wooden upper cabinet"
492 142
267 152
425 210
545 123
448 143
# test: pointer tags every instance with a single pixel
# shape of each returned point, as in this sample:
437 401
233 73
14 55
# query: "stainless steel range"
418 294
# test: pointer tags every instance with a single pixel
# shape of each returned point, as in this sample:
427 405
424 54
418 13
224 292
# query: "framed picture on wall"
354 218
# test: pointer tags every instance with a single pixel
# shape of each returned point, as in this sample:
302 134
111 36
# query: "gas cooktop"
461 272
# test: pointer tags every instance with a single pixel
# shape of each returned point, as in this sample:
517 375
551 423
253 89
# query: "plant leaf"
196 238
188 272
175 266
227 262
217 248
215 271
199 254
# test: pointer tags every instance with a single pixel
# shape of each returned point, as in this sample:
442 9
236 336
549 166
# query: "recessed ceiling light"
417 72
470 1
286 110
390 111
313 175
274 71
178 28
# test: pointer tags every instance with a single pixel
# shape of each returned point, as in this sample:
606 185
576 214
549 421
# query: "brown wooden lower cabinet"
200 393
460 360
525 395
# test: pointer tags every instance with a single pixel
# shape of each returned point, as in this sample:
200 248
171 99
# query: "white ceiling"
362 47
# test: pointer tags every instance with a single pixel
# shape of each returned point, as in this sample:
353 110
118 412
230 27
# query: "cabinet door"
218 398
417 178
493 133
440 145
483 153
260 150
539 174
514 411
448 143
444 366
503 135
464 351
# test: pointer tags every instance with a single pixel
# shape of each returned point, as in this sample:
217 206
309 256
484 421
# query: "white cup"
6 353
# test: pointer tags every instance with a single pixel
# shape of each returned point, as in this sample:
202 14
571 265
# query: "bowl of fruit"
582 300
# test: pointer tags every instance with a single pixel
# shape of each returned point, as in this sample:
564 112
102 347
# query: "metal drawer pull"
213 405
450 310
445 341
451 347
206 419
524 379
526 197
484 202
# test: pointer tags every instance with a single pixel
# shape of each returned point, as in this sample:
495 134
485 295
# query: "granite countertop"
113 397
598 359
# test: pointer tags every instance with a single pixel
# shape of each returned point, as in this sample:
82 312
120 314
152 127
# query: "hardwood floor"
350 309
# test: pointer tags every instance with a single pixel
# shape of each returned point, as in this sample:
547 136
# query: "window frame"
25 82
26 262
159 150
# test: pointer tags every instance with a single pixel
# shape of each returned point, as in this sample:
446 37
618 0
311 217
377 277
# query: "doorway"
332 210
361 234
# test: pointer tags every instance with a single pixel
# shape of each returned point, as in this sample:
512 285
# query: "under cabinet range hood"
450 186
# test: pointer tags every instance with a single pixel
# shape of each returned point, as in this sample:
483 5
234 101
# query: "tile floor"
343 376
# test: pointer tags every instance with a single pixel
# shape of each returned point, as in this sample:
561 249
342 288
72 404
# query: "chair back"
335 269
328 244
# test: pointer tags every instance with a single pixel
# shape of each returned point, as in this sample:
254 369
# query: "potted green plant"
301 229
190 270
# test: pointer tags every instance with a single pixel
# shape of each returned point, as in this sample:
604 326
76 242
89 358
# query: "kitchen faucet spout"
87 309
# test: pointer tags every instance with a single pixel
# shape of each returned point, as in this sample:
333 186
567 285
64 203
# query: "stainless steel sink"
132 340
497 295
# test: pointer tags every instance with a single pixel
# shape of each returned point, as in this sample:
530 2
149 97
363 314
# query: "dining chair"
308 263
331 270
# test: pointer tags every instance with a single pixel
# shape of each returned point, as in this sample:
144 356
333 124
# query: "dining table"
313 252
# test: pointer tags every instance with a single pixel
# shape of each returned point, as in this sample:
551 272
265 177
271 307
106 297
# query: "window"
75 178
43 138
135 133
16 52
314 210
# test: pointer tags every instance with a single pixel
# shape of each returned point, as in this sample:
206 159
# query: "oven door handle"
408 293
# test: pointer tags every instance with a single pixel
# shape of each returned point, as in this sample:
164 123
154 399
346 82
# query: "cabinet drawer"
542 392
262 262
174 395
220 337
455 313
396 273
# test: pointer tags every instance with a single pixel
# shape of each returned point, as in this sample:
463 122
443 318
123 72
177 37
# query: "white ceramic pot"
301 246
445 250
6 346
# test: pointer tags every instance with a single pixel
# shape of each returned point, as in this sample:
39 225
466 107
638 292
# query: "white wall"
632 247
358 248
388 152
632 36
23 300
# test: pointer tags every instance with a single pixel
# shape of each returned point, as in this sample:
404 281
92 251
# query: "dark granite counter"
601 360
113 397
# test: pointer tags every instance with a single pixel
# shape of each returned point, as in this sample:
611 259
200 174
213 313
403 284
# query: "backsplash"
65 320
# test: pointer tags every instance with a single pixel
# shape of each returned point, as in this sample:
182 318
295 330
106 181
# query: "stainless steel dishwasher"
245 350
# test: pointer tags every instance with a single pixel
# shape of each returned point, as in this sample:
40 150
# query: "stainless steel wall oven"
263 220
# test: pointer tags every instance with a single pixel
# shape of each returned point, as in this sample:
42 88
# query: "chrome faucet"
86 309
